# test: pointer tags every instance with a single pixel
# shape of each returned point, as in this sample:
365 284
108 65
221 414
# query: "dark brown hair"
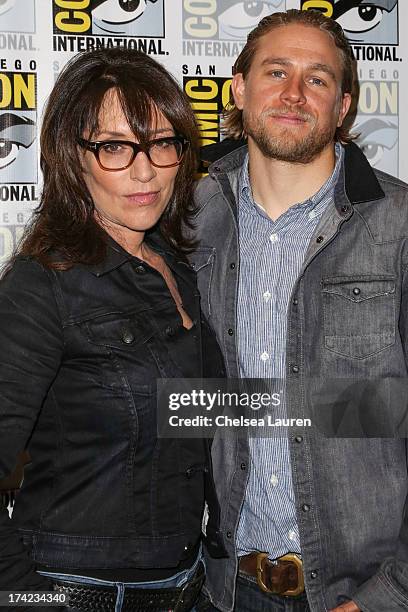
233 125
64 221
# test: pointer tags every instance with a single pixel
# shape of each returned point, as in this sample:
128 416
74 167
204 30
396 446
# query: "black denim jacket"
80 354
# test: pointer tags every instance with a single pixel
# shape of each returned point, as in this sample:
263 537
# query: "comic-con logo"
18 119
225 19
363 21
10 235
14 19
109 17
208 97
377 124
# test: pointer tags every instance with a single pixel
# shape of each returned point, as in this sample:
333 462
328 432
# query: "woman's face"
127 202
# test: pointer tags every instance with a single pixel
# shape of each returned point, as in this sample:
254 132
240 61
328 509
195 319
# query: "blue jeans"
250 598
173 581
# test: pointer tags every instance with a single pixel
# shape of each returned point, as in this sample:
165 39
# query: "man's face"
291 99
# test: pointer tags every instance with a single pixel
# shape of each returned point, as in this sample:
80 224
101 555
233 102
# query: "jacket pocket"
202 261
121 341
359 314
119 332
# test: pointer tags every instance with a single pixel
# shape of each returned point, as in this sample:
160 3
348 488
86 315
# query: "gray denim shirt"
347 319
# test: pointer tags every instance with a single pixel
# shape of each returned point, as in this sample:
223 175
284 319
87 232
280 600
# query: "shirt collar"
311 203
116 256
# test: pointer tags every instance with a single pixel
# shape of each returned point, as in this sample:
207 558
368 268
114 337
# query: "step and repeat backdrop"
198 41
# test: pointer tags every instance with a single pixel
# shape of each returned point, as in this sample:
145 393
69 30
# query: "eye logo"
18 116
144 18
127 17
16 134
368 22
236 21
378 138
120 11
363 21
230 20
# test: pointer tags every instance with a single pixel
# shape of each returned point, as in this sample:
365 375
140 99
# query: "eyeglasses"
114 155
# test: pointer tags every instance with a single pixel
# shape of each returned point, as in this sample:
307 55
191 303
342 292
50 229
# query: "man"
315 288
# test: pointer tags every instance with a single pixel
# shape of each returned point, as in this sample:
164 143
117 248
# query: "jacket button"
127 337
140 270
295 369
313 574
305 507
295 302
229 534
319 239
230 332
243 466
232 266
299 439
216 169
169 331
356 291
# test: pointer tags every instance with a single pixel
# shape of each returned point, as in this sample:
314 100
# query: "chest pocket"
125 361
359 315
202 262
120 333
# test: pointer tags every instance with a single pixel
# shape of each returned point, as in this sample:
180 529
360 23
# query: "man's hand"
347 607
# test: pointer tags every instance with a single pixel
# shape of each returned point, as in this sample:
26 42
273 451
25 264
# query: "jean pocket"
359 314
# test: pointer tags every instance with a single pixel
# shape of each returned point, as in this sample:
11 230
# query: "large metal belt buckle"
262 558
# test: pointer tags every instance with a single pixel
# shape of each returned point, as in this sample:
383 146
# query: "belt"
282 576
94 598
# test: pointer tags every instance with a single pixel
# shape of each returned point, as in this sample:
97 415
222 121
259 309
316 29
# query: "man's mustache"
299 114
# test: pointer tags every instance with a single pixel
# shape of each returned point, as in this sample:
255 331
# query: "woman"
98 304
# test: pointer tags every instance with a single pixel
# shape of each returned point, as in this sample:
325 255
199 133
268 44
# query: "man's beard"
286 146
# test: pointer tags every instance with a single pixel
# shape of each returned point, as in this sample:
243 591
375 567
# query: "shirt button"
230 332
127 337
313 574
295 302
140 270
292 535
305 507
267 296
312 214
274 238
265 356
274 480
295 369
229 534
232 266
299 439
319 239
243 466
356 291
345 209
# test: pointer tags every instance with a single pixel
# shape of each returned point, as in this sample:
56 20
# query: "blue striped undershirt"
271 256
